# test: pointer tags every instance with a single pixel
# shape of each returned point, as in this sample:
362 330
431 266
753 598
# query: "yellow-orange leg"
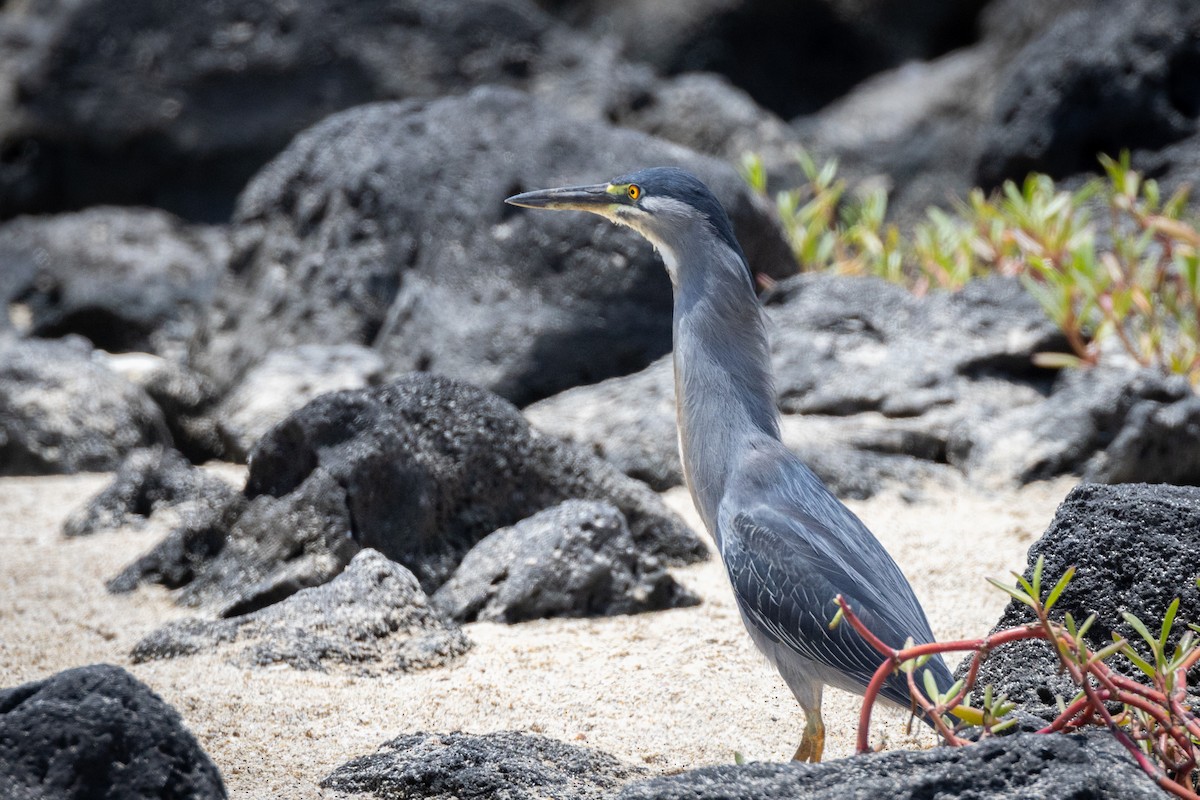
812 744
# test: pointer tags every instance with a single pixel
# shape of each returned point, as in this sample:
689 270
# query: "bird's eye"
635 191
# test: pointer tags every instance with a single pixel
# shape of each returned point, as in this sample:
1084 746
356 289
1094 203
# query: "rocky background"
272 233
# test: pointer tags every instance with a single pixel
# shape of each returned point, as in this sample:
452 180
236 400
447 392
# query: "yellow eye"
635 191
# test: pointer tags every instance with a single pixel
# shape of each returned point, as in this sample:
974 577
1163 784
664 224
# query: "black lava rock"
1159 443
1086 413
373 618
1135 548
420 469
148 480
97 733
509 765
1107 76
791 57
62 412
575 559
1015 767
155 103
126 279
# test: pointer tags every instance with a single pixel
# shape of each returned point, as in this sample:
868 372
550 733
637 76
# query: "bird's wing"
787 567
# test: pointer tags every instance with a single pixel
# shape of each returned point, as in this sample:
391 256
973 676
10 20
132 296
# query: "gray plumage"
789 546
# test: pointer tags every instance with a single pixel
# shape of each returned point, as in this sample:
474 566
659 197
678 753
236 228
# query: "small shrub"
1130 282
1156 723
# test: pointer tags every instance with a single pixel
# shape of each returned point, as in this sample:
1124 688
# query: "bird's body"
789 546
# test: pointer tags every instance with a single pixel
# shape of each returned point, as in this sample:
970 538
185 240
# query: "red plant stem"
1176 702
1130 685
1174 720
893 658
1068 714
1154 709
1149 767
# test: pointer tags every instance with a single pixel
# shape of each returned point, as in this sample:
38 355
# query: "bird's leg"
812 744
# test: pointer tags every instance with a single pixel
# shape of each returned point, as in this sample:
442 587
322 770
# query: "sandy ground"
668 691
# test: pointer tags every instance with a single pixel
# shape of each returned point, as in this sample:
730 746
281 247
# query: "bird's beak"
596 199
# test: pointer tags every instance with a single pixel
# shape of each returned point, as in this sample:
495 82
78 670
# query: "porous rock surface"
385 226
372 618
1135 548
507 764
97 733
574 559
62 412
1014 767
419 469
148 481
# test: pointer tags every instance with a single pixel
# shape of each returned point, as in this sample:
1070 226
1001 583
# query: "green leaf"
1052 598
931 689
1168 621
1057 361
837 618
1142 630
1108 651
738 758
1038 567
1016 593
1137 660
1004 725
971 716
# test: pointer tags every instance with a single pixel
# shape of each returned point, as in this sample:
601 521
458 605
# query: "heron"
789 546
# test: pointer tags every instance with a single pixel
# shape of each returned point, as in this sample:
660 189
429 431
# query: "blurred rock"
285 381
575 559
385 226
144 102
420 469
373 618
845 345
628 421
195 537
1110 75
508 764
1159 443
126 279
1011 767
1070 430
272 549
148 481
188 401
98 732
792 57
916 130
705 113
1039 88
62 412
1135 548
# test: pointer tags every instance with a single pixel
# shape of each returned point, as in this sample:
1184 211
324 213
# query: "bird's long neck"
723 386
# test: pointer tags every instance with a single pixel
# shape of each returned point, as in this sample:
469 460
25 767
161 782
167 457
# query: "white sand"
670 691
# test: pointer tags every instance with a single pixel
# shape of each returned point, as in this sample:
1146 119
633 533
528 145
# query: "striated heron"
789 546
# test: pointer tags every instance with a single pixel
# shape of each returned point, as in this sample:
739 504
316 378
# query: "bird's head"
663 204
